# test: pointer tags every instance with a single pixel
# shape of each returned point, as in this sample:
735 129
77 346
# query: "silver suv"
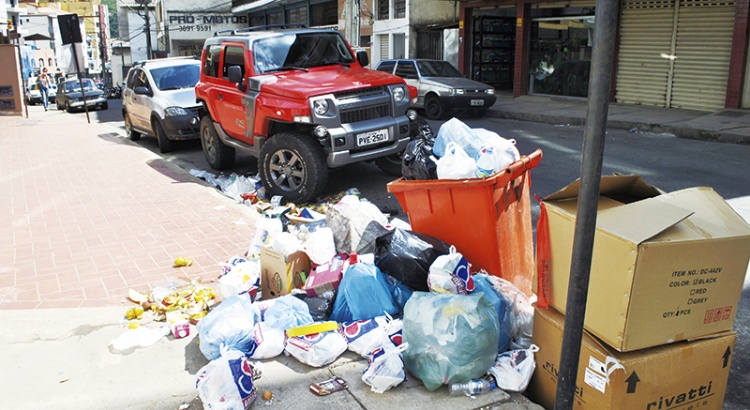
159 100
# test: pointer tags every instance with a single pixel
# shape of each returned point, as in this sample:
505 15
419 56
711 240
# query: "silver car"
441 87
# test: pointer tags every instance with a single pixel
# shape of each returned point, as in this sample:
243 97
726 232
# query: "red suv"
301 102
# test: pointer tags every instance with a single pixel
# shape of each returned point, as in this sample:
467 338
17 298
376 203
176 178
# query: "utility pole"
145 4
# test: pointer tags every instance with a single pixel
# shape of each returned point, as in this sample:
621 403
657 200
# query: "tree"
114 28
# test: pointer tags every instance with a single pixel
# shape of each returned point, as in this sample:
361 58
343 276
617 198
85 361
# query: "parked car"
34 96
70 97
441 87
159 100
302 102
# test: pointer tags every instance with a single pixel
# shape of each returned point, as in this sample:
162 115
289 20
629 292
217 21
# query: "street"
665 161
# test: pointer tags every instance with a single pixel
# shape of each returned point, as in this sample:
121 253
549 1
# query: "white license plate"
476 103
372 137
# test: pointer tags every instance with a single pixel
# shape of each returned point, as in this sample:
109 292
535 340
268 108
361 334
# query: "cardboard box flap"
641 220
624 188
713 217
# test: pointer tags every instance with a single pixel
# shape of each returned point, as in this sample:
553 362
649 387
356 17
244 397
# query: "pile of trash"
318 280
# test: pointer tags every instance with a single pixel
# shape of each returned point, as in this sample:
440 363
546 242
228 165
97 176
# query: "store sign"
201 25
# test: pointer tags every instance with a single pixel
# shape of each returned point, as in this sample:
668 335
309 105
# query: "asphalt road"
664 160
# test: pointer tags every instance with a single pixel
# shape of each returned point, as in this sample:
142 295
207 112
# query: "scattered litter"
182 261
139 337
329 386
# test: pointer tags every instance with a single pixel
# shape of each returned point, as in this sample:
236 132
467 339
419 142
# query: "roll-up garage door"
645 43
675 53
703 50
385 46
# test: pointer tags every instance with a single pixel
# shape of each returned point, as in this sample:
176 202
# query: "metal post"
148 31
588 199
78 69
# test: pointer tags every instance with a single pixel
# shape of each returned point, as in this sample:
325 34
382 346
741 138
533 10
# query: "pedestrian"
43 83
59 76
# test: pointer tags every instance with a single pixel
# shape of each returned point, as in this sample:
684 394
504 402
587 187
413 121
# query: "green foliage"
114 28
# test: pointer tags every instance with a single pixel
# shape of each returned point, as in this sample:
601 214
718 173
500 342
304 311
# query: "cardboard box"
666 266
683 375
279 274
327 276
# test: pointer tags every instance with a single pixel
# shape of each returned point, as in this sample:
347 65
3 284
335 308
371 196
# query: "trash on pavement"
329 386
318 327
385 368
268 342
288 312
243 276
450 274
451 337
281 273
183 261
179 324
317 350
230 324
141 336
326 276
363 294
365 336
407 256
228 382
348 219
513 369
471 387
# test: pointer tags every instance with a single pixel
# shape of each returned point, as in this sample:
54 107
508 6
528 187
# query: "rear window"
177 77
387 66
211 65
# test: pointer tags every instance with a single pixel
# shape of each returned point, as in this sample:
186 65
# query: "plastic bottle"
471 387
486 162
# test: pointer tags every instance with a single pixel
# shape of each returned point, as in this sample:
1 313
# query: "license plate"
372 137
477 103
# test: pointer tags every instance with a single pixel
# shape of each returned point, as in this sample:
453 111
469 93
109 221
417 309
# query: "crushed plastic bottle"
471 387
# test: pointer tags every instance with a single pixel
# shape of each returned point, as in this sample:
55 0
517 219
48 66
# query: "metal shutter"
703 49
643 63
384 46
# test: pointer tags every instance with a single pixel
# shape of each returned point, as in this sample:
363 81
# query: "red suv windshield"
300 51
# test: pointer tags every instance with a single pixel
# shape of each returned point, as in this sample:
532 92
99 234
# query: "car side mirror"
142 91
363 58
235 77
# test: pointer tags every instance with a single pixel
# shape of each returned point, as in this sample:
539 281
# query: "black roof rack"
259 28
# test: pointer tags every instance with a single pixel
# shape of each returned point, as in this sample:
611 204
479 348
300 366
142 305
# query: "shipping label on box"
684 375
279 274
666 266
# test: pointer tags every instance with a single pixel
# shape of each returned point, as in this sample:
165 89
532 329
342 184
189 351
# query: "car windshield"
177 77
300 51
73 86
437 69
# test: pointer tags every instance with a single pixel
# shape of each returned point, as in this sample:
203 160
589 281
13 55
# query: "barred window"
383 10
399 8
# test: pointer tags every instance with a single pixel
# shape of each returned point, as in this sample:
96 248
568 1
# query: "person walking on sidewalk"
43 83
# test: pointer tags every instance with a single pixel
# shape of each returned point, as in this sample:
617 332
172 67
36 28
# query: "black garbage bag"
320 306
407 256
416 162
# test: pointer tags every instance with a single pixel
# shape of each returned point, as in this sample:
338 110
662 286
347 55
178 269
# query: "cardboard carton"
683 375
666 266
327 276
279 274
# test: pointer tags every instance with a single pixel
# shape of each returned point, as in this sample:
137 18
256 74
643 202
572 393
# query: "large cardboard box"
683 375
280 274
666 266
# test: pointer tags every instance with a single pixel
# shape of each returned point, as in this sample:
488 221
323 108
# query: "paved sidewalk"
724 125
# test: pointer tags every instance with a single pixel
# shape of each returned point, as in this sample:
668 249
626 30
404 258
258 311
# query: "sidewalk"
88 215
723 126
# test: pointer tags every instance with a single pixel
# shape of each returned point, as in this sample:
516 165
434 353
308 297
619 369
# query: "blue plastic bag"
452 338
400 292
230 324
481 284
365 286
287 312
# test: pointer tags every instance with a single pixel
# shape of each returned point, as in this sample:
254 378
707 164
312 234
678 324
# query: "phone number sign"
189 26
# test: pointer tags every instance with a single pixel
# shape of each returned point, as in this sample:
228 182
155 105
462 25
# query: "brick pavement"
85 215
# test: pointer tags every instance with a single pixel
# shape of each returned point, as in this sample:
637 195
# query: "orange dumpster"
488 220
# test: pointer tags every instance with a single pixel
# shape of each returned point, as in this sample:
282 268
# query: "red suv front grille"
365 113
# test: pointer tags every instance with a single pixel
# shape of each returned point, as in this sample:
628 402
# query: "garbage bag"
450 274
372 231
456 163
320 306
227 382
364 336
513 369
502 307
451 338
362 294
407 256
268 342
400 292
287 312
416 162
520 313
385 369
454 130
243 277
230 324
348 219
318 349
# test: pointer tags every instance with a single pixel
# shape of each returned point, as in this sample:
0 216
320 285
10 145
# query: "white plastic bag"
454 130
385 368
505 151
455 164
265 230
227 382
242 277
269 342
450 274
348 220
320 246
365 336
317 350
513 369
230 324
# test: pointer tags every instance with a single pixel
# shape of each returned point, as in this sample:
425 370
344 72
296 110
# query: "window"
324 14
211 67
387 66
383 10
141 80
234 55
41 62
296 15
399 9
131 79
399 45
406 70
49 62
